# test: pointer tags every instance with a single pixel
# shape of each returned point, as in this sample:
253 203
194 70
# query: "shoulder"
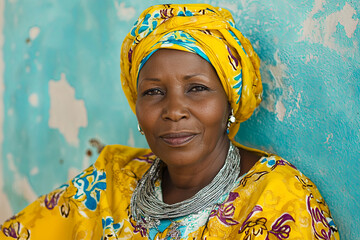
123 155
278 195
86 197
123 164
280 177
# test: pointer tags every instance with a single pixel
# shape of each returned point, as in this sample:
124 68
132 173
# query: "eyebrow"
194 75
187 77
151 79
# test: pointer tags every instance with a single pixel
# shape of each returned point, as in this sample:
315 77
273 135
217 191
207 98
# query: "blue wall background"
61 97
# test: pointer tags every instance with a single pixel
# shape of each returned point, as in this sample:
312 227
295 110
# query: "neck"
181 183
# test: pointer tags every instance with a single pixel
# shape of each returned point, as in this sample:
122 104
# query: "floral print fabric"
272 201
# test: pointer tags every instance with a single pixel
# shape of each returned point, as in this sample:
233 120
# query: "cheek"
214 114
146 115
140 113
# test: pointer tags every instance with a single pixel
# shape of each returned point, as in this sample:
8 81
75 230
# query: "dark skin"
183 110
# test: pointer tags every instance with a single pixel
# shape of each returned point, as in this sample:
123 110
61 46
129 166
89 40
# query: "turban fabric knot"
202 29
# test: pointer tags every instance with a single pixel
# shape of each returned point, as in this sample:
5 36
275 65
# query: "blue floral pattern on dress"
89 185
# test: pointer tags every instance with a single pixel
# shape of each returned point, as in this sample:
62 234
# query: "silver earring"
230 121
140 130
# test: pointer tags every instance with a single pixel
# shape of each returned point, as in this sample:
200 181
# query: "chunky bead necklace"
147 209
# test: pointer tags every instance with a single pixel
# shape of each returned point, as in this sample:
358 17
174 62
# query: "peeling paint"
34 32
124 13
73 172
66 113
280 110
321 29
85 162
34 100
343 17
21 184
34 171
273 102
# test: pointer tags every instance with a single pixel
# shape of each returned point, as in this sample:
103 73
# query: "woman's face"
182 108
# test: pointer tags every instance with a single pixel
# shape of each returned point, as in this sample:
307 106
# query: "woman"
191 78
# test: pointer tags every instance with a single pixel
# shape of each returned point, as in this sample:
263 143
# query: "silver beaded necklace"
147 209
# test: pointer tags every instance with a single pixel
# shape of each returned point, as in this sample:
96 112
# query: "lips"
177 139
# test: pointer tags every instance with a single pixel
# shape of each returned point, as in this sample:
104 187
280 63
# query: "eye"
198 88
152 91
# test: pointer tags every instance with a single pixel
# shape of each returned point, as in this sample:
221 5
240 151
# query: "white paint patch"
21 185
5 207
34 171
298 101
280 110
131 140
344 17
86 162
278 72
66 113
34 32
124 13
73 172
319 29
34 100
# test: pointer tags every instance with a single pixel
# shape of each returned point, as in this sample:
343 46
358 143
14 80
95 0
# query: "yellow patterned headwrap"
203 29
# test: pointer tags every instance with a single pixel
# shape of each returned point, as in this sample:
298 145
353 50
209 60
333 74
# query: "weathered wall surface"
61 97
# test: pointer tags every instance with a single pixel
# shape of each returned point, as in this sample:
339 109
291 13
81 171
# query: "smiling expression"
182 108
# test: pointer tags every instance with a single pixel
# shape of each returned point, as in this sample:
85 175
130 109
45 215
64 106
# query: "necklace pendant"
149 222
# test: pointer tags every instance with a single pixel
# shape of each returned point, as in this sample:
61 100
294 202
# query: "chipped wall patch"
124 13
21 184
280 110
34 171
34 32
274 80
67 114
343 17
73 172
321 29
34 100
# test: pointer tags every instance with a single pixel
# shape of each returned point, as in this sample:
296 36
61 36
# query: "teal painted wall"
61 97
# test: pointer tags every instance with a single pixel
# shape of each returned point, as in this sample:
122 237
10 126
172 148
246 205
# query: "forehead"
170 60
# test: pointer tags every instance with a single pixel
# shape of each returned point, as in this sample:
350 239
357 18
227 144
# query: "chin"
180 156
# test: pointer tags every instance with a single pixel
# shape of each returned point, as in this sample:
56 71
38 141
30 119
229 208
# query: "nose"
175 108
